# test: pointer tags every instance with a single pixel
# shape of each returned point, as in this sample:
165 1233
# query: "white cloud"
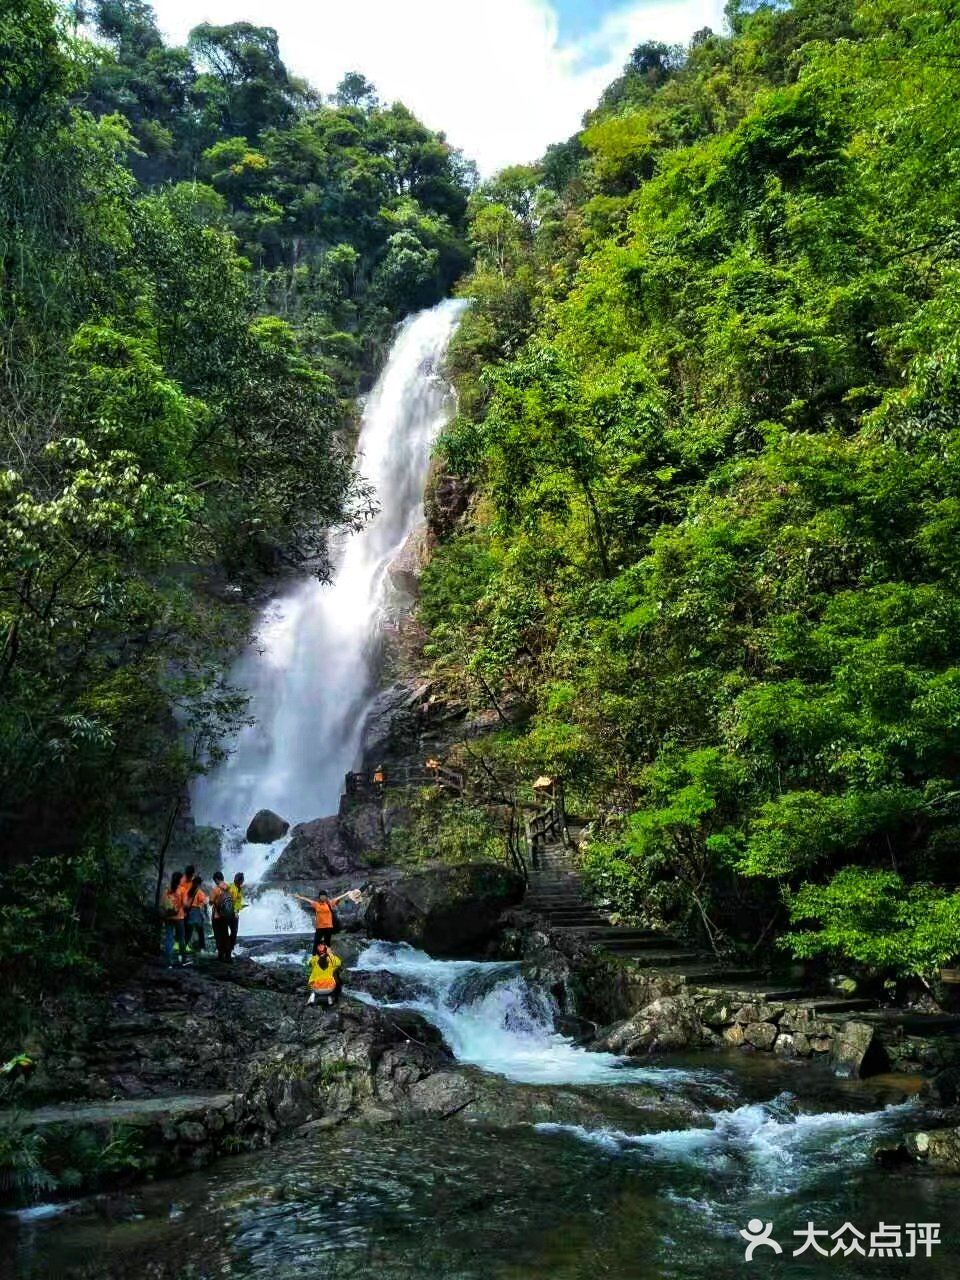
493 75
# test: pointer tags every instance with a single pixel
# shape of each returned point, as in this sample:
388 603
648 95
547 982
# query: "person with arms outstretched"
324 918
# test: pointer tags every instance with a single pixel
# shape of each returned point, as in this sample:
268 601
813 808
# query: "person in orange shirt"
186 883
174 916
196 908
324 920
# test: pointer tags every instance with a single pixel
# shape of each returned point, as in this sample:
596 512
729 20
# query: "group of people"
185 907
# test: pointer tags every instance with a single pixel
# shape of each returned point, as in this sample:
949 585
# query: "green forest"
709 414
709 395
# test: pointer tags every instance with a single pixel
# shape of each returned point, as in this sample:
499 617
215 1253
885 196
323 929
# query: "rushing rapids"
492 1017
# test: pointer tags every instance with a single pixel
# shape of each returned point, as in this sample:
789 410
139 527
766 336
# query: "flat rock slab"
126 1110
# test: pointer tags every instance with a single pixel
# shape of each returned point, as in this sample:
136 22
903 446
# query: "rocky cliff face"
446 910
445 500
406 567
329 848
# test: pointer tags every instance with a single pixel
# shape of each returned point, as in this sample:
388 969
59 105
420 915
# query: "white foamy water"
311 668
762 1147
491 1017
273 911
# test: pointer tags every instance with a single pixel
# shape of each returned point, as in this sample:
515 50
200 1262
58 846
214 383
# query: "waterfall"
311 668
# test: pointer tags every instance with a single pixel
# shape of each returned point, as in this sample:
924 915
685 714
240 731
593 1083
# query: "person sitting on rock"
324 976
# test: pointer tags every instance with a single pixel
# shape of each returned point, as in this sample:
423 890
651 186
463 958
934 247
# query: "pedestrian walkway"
556 892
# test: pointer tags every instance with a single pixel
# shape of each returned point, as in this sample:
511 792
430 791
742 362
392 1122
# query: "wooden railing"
528 832
370 786
548 825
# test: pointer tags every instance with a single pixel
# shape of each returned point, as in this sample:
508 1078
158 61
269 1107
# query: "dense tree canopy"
351 211
709 411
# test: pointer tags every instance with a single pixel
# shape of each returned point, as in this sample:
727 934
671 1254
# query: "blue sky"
503 78
578 18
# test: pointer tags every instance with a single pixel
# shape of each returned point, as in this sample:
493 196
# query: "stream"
624 1194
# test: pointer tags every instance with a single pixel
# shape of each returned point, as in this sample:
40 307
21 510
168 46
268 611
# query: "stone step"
727 982
647 959
574 908
913 1022
720 978
133 1111
587 927
644 938
568 905
839 1004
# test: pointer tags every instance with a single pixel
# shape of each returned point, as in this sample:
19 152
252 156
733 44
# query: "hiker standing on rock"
196 905
236 894
324 976
221 903
325 920
183 891
172 915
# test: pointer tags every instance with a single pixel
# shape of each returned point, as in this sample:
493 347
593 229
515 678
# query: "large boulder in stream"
666 1025
857 1051
940 1149
445 910
266 826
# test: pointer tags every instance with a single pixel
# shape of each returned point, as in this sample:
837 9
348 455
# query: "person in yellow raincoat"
324 976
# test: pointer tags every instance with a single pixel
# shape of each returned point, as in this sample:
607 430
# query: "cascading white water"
309 672
492 1017
773 1147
